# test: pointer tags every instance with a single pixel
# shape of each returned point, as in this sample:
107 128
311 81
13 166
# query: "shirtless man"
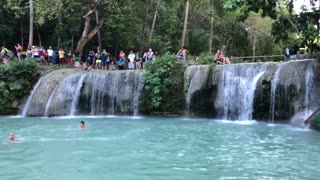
19 51
182 54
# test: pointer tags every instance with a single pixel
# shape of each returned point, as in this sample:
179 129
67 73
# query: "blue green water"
116 148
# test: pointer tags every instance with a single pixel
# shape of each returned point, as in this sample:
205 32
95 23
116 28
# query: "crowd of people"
96 58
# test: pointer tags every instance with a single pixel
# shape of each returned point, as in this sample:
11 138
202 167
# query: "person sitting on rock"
220 59
182 54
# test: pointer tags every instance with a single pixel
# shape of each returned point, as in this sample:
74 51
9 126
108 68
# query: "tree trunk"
1 17
21 31
153 23
31 23
98 33
254 47
185 24
211 35
59 31
88 34
39 37
143 37
72 43
2 22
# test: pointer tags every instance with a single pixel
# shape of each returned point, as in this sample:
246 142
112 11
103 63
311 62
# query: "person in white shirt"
50 55
131 58
150 55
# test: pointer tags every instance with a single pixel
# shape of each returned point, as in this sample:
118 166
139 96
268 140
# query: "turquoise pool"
143 148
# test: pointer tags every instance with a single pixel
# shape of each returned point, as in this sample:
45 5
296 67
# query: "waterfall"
113 92
67 95
137 92
46 113
300 117
75 99
35 88
70 92
236 88
274 85
309 87
250 97
197 78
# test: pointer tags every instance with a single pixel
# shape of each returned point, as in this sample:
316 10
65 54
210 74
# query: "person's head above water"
82 125
11 137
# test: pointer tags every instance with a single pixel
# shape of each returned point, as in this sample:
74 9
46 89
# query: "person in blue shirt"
121 63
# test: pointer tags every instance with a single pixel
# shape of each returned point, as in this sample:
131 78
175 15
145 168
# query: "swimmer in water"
82 125
12 137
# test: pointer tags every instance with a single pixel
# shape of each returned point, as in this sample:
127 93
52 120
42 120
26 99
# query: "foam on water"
241 122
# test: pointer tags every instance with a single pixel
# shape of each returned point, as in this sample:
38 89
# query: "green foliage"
303 27
163 80
5 32
128 25
205 58
16 81
198 41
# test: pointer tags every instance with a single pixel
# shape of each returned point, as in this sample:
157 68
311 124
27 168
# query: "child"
112 66
105 60
76 59
98 60
70 56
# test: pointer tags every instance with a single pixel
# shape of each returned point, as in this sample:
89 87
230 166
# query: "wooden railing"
254 58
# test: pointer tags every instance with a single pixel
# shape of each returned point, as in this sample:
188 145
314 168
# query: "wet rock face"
261 105
199 91
314 120
45 89
238 85
297 89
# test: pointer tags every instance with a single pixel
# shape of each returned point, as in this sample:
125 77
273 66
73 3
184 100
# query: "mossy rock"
314 120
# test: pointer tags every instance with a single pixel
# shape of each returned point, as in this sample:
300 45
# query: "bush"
163 85
16 81
205 58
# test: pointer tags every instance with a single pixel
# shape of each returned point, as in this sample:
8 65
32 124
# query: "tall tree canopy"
141 24
302 27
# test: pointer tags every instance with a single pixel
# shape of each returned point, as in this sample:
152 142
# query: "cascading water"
94 92
137 93
309 88
236 86
67 94
274 85
299 118
77 92
49 103
27 104
197 78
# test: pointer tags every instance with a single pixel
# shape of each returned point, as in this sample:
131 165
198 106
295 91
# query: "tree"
304 25
30 23
185 24
88 33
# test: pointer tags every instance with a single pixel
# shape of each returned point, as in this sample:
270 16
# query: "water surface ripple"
155 148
